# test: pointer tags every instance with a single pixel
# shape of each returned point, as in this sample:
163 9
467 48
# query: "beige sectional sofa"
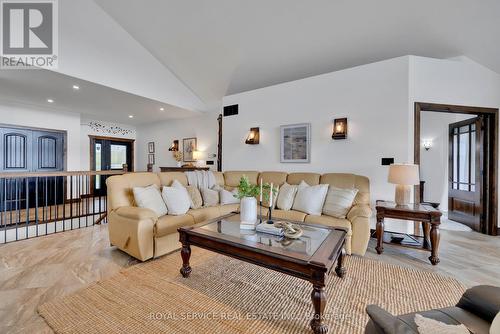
142 234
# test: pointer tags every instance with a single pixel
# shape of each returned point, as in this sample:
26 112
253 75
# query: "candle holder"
270 221
260 215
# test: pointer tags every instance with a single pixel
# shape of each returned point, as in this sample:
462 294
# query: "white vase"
179 164
248 210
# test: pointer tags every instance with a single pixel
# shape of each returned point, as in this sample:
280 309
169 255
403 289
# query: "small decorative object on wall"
151 159
112 130
151 147
189 145
253 136
295 143
174 147
427 144
339 128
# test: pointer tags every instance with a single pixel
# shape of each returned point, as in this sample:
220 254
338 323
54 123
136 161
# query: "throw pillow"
228 197
177 199
150 198
339 201
431 326
495 325
286 196
196 200
210 197
310 199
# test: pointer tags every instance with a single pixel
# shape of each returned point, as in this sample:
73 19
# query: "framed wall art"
189 145
295 143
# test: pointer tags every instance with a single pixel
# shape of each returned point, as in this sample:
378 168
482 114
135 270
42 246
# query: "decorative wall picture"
189 145
151 159
295 143
151 147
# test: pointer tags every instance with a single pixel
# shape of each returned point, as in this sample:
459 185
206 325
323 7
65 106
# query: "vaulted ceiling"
220 47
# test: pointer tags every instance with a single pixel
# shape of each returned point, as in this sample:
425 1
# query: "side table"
429 216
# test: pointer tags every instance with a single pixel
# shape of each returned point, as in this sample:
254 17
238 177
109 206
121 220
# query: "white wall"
204 128
434 162
109 130
373 97
29 116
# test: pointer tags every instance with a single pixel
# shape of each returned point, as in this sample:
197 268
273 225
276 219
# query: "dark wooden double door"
30 150
466 165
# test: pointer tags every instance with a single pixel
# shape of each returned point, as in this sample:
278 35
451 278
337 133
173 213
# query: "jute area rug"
224 295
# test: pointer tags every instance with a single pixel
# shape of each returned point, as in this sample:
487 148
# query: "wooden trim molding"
490 216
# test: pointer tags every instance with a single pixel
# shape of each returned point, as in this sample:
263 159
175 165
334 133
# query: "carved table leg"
185 254
318 297
380 235
435 237
340 269
426 227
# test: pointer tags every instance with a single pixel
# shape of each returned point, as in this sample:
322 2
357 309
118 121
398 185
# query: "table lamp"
403 176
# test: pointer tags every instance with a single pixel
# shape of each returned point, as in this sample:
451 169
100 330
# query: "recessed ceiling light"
76 87
130 116
161 109
50 101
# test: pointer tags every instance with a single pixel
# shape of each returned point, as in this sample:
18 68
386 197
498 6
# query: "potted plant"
178 157
247 194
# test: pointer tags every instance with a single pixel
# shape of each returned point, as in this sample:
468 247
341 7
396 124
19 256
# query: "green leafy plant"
246 189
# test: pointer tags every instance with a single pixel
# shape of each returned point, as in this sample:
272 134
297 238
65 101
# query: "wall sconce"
253 136
339 128
174 147
427 144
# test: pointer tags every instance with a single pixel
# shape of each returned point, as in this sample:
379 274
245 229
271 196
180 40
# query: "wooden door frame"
490 186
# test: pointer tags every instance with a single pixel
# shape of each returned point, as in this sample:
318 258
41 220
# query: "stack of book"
270 229
248 225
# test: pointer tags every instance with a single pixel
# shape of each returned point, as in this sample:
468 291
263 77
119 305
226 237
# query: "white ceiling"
92 101
229 46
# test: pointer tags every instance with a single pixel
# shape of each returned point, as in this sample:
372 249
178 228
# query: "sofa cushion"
310 199
289 215
286 196
120 187
311 179
350 181
276 178
176 198
228 208
232 178
339 201
210 197
195 195
150 198
166 178
228 197
169 224
203 214
330 221
219 178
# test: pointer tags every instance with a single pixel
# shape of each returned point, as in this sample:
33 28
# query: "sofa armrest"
481 300
386 323
131 229
359 210
134 212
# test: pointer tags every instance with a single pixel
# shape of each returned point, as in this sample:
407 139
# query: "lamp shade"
405 174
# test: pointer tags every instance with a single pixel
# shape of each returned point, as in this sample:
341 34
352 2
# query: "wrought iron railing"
36 204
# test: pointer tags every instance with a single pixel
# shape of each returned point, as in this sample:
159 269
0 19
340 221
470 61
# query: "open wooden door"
465 186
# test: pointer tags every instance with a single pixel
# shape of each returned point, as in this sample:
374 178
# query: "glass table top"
307 244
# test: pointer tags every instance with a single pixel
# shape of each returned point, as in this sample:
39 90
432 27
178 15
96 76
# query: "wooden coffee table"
311 257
